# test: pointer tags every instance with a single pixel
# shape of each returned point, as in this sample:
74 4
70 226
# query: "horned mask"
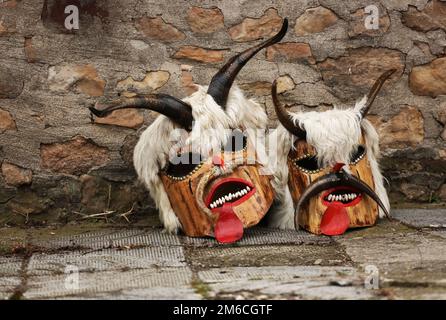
327 178
208 180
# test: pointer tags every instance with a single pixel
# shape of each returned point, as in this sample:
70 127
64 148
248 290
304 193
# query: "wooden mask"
335 208
221 194
331 199
217 193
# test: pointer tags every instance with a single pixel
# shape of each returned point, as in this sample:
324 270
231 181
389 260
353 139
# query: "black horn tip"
283 115
385 75
279 36
222 81
375 90
274 87
97 113
382 78
103 107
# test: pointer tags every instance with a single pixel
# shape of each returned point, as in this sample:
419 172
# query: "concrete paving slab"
177 293
10 266
403 257
10 270
145 263
111 239
54 286
421 218
264 255
392 248
263 236
384 228
7 286
229 274
438 233
302 282
418 293
106 260
414 274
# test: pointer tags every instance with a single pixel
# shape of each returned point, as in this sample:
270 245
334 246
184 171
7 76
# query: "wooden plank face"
195 222
254 209
181 195
362 214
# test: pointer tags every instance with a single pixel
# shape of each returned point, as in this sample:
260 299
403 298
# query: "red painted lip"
340 203
227 182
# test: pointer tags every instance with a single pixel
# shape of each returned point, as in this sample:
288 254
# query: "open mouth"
231 191
345 196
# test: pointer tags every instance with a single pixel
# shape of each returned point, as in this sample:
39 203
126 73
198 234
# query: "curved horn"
284 116
222 81
374 91
332 180
173 108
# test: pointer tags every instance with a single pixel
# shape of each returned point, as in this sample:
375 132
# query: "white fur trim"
334 134
372 143
282 212
152 150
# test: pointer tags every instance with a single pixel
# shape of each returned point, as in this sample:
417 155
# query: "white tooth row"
229 197
344 197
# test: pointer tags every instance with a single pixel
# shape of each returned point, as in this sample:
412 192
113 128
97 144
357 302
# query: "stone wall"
56 160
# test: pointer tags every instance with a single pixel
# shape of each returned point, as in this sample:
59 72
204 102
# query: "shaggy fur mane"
209 132
335 135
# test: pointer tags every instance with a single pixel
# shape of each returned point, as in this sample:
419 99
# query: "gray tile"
10 266
439 233
267 255
416 274
107 282
107 260
112 239
169 293
419 293
272 273
395 248
421 218
303 282
259 236
7 286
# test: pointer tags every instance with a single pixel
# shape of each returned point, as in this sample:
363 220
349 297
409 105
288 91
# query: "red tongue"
335 220
228 228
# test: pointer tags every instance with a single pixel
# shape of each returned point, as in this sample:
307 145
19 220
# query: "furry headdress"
334 134
201 122
152 150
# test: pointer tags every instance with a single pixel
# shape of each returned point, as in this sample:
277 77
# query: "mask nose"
218 161
338 166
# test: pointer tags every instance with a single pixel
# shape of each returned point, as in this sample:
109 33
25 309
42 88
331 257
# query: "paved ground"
405 258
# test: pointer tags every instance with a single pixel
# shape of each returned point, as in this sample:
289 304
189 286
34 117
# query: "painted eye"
308 164
358 154
236 142
183 165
